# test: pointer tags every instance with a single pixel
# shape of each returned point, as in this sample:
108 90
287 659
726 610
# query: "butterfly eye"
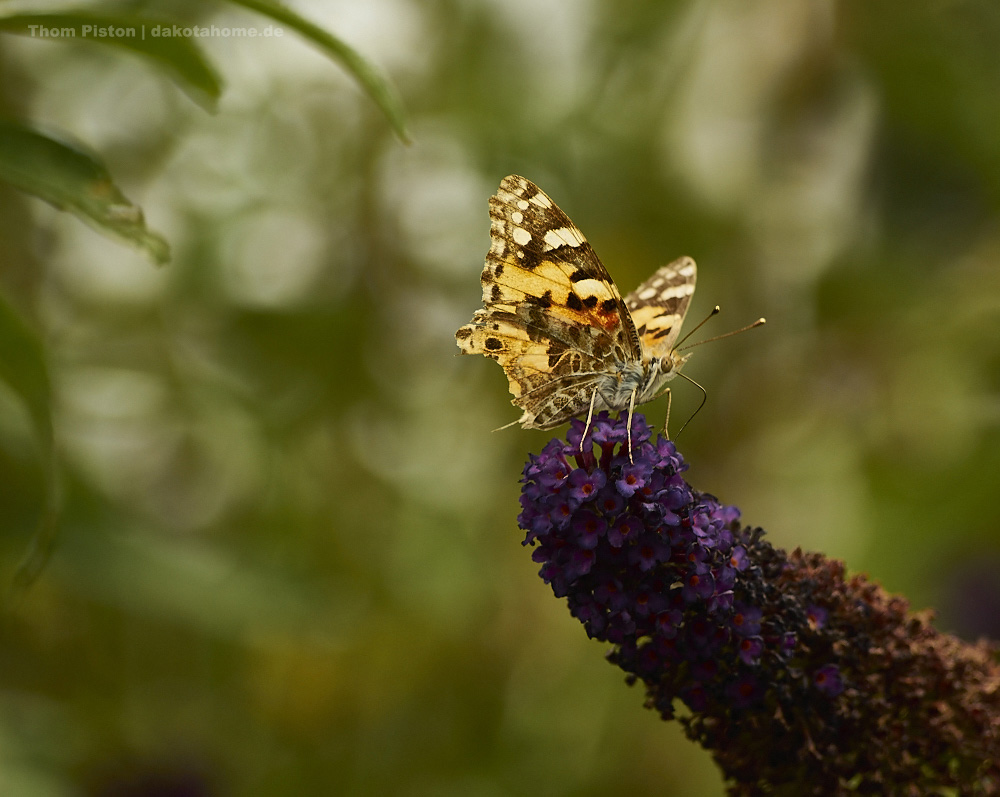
666 365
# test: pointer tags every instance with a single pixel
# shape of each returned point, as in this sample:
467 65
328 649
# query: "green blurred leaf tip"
382 92
75 181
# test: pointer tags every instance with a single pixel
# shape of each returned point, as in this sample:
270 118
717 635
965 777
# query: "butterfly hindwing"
659 305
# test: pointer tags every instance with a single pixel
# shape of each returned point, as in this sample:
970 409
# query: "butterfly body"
645 380
557 324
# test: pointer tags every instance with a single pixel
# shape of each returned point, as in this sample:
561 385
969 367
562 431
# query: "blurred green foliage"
285 559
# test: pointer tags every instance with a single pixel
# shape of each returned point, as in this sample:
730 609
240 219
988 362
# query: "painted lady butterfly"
556 323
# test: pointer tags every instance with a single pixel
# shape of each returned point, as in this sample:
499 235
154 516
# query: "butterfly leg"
507 425
590 417
666 420
631 406
704 398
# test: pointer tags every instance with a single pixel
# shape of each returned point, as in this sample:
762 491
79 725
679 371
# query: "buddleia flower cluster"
791 674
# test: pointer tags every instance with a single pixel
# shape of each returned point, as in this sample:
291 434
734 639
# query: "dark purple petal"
744 692
746 620
585 486
751 649
817 616
632 476
588 529
828 680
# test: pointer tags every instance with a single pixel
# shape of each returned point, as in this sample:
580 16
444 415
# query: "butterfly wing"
659 305
552 316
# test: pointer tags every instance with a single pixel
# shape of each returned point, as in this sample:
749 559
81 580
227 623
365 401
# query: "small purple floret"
828 680
586 486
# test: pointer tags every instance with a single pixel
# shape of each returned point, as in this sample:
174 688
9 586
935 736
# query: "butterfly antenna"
704 398
715 311
758 323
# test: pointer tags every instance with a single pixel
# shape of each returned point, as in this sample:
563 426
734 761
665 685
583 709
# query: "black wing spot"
498 269
493 344
573 302
641 330
662 333
577 276
608 305
463 333
590 302
496 293
544 301
554 359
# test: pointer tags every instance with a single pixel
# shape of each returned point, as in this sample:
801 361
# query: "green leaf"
76 181
184 60
23 368
371 79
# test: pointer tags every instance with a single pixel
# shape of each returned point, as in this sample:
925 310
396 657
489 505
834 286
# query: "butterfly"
557 324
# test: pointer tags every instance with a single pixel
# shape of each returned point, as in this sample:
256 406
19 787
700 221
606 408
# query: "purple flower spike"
854 696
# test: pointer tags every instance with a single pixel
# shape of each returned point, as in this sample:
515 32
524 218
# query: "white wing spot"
648 294
520 235
541 200
564 236
675 292
522 204
517 217
593 287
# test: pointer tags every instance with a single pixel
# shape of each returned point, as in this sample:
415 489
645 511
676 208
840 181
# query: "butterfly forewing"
552 316
539 259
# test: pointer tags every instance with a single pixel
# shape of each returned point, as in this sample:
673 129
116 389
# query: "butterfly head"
673 361
659 371
667 366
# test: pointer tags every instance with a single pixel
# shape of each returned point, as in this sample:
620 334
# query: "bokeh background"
286 558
